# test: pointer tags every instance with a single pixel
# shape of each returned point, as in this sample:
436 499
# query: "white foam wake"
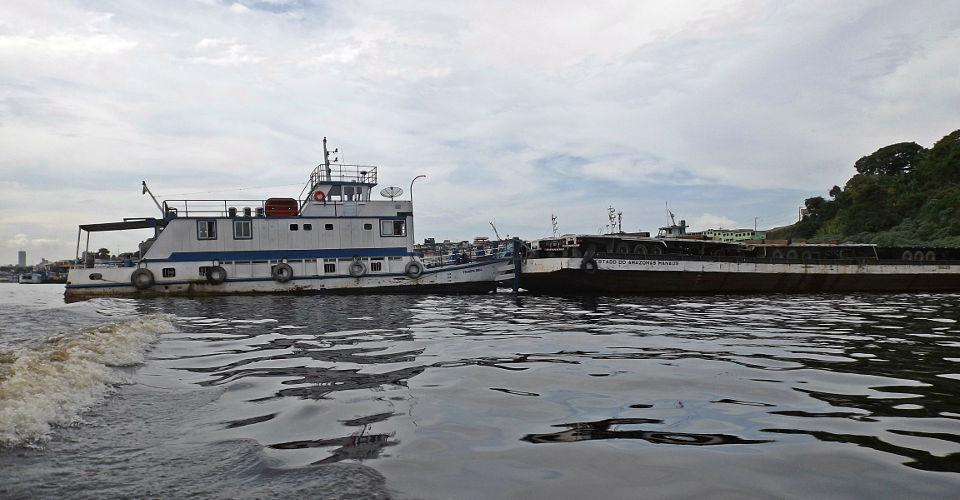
53 382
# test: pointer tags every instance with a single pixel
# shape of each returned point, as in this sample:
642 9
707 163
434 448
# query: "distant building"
22 258
733 234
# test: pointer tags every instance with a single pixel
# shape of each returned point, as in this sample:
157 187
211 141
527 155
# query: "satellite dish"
391 192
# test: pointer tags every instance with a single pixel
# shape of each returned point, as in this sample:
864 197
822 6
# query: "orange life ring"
318 195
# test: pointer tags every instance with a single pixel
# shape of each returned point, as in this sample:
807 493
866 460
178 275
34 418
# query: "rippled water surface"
480 396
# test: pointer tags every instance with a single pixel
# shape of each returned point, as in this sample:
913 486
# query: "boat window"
206 229
393 228
169 272
328 227
376 266
242 230
294 227
368 227
329 268
308 227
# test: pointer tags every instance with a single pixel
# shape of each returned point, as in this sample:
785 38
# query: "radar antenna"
616 220
326 158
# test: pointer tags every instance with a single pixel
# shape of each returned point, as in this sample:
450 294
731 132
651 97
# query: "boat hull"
667 276
477 277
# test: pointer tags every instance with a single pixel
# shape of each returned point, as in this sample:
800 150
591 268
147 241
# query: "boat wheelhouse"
334 237
637 264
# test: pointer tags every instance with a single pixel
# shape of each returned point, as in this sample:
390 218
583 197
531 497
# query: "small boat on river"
638 264
334 237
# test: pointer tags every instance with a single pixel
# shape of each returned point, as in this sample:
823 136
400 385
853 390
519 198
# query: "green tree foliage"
902 194
893 159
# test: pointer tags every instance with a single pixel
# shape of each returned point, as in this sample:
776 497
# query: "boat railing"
339 173
463 255
214 208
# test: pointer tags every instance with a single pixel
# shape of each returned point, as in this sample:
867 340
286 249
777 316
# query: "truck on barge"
638 264
333 238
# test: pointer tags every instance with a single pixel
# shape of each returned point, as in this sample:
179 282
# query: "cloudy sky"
726 110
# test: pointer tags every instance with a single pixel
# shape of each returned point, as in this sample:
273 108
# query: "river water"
475 397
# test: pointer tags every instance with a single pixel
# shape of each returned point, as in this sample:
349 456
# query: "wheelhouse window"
294 227
308 227
393 228
206 229
242 230
328 227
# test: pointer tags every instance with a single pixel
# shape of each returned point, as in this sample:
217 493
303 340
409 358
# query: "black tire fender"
588 266
142 279
414 269
282 272
216 275
357 269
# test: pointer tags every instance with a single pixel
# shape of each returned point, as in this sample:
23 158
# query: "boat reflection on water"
601 429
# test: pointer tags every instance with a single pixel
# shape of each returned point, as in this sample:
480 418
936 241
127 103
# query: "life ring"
357 269
588 266
319 196
930 255
282 272
142 279
414 269
216 275
907 255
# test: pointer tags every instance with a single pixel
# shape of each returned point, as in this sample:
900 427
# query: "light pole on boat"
411 186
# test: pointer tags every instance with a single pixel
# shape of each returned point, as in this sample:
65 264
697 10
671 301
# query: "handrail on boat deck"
211 208
359 174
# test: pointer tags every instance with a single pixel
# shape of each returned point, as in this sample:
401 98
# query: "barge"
334 237
638 264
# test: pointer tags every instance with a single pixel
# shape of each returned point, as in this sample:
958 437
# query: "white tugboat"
334 238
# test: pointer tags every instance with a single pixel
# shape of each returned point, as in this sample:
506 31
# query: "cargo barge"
638 264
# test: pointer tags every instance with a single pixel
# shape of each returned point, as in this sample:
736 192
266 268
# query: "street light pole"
411 186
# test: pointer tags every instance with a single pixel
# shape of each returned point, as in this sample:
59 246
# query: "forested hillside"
902 194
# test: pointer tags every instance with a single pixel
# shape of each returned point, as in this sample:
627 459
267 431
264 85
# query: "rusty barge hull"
679 276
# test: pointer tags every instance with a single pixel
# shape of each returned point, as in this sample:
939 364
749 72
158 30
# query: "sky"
730 113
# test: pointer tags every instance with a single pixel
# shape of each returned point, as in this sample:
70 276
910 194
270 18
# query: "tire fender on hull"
216 275
414 269
282 272
589 266
357 269
142 279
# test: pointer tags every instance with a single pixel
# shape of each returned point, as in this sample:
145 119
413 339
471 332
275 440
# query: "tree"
835 191
894 159
103 253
